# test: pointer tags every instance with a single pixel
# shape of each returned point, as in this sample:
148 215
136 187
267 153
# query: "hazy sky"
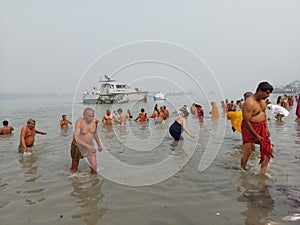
46 46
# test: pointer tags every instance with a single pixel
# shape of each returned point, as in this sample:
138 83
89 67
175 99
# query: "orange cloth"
265 146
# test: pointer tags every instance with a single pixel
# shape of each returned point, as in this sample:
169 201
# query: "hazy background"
45 46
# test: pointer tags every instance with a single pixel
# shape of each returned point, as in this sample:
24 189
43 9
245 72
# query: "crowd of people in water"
251 111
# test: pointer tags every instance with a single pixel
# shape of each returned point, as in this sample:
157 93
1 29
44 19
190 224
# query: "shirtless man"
254 127
165 112
82 145
27 136
64 122
6 129
108 118
122 116
159 118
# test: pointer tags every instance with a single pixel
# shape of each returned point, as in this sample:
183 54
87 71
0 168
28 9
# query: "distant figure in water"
214 111
6 129
254 127
27 137
278 111
142 117
179 126
82 145
64 122
108 118
129 115
122 117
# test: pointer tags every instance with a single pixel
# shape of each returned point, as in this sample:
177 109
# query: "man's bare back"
5 130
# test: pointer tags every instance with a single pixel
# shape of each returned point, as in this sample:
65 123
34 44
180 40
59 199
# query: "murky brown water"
41 190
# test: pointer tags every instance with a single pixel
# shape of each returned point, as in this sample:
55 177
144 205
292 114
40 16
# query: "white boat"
112 92
159 96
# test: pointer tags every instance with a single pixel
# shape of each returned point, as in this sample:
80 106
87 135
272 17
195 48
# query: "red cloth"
265 146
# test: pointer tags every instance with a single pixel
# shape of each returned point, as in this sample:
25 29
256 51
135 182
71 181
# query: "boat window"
121 86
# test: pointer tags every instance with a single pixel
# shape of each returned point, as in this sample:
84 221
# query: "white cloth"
277 109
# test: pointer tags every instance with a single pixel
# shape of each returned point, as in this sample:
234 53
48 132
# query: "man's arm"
266 123
40 132
96 137
22 139
103 120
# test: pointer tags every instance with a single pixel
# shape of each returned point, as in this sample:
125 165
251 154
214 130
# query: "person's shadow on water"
257 197
88 191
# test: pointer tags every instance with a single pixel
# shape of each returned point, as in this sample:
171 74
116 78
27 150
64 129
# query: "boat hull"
115 98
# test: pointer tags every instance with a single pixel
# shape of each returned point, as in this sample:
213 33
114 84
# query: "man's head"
88 114
31 124
264 89
5 123
108 112
119 110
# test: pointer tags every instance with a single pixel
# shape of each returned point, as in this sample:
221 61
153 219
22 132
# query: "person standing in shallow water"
254 127
64 122
214 111
82 145
27 137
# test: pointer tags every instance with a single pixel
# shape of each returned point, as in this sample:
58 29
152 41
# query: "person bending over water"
179 126
82 145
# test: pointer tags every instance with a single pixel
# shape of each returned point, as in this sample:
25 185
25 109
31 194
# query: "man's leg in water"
247 150
93 163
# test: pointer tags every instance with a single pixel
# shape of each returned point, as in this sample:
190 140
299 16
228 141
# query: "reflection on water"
28 163
31 169
257 197
88 191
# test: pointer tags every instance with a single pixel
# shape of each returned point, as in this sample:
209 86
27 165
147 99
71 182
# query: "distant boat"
112 92
160 96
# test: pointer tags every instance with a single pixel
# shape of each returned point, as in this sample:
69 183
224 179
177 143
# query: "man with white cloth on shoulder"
278 110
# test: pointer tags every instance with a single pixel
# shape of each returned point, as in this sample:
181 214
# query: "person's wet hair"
264 86
30 121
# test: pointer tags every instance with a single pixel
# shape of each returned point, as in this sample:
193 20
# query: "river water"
144 176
